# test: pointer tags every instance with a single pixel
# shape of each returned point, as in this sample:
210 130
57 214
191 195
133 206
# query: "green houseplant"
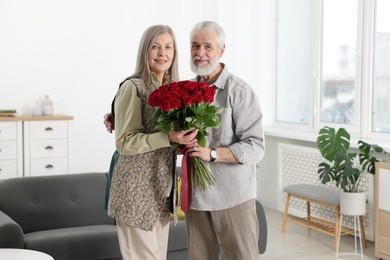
343 167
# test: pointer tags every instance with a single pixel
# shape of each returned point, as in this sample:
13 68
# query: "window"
322 47
381 79
293 59
338 60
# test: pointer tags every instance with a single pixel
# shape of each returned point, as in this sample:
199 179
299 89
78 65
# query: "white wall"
78 51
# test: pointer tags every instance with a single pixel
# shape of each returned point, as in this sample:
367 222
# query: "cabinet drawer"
7 131
48 148
383 189
8 169
48 129
48 166
383 243
7 150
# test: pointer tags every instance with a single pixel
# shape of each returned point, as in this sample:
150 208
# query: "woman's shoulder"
131 81
127 87
130 84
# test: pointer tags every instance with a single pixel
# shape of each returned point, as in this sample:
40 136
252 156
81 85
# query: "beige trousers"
236 230
138 244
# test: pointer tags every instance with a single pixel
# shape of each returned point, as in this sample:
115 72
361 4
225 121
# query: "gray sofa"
64 217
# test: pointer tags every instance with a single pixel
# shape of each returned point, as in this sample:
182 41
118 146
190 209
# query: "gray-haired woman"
143 177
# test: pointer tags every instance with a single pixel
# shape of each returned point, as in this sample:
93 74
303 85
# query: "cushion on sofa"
61 201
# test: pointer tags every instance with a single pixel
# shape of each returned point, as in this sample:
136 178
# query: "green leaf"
202 141
344 163
366 159
163 128
326 172
330 143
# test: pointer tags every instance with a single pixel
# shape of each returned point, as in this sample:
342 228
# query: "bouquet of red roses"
182 105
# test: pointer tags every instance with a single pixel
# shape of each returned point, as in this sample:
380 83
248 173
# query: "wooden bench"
323 196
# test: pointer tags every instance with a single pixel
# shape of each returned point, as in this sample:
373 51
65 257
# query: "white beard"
206 70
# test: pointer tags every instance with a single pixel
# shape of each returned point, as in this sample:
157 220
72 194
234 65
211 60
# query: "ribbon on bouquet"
186 187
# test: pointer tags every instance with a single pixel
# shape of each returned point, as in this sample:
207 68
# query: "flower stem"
200 175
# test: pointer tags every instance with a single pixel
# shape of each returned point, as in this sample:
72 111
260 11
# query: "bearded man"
224 216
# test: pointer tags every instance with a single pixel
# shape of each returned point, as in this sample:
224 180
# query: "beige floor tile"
298 242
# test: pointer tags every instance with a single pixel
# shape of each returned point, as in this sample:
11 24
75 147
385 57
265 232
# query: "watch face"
213 154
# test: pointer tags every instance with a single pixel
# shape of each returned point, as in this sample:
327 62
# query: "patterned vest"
141 182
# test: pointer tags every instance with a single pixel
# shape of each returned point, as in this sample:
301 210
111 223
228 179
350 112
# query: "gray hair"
210 25
142 69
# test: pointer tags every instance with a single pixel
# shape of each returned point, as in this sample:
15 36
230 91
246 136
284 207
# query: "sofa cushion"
77 243
51 202
315 193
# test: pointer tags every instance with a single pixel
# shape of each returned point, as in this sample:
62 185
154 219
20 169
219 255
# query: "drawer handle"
48 129
49 147
49 166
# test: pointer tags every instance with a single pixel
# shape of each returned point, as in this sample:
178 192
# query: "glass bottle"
47 106
37 107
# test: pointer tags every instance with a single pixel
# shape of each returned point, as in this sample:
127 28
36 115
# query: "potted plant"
346 169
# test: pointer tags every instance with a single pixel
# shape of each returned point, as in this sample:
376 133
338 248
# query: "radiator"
297 165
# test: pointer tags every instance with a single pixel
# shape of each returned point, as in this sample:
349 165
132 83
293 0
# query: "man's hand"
224 154
109 122
185 137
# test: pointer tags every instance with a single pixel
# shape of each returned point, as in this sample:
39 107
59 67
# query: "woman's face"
161 55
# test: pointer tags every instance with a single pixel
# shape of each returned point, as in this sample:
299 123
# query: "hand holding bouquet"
182 105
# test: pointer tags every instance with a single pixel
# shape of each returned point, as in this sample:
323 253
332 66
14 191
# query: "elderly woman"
142 181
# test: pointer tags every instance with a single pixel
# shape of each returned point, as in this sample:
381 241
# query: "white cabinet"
46 147
10 150
382 210
33 146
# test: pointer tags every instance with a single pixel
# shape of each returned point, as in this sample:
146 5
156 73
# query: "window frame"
365 43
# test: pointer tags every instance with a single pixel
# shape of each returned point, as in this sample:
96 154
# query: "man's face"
205 53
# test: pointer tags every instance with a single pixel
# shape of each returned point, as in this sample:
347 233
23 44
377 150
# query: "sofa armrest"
177 236
263 229
11 234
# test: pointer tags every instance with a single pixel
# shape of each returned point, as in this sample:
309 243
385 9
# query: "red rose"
187 99
175 103
174 87
173 93
190 85
165 105
198 97
209 94
154 99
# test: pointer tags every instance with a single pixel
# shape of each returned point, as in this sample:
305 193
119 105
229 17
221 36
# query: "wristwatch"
213 155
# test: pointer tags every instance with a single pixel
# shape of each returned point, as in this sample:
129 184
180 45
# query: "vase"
47 106
37 108
353 203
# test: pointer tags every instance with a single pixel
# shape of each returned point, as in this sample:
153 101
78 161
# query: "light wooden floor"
298 242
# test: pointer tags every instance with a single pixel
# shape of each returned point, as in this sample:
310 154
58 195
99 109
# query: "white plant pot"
353 203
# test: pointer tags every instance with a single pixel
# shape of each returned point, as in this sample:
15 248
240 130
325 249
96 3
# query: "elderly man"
225 215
